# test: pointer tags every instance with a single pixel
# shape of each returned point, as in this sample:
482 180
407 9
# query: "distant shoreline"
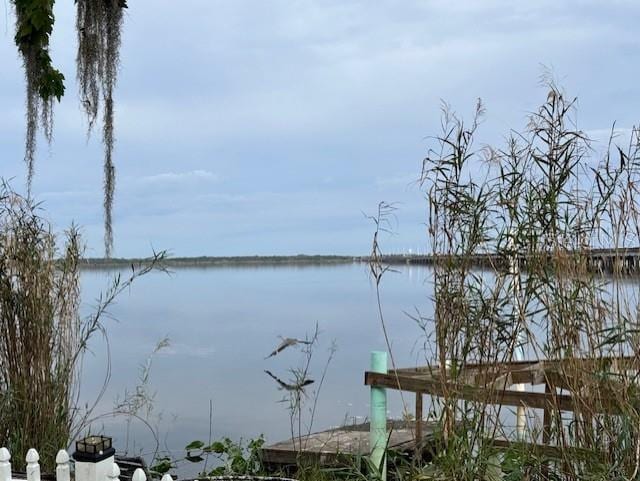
231 261
622 261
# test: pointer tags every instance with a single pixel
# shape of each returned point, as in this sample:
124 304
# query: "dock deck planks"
341 445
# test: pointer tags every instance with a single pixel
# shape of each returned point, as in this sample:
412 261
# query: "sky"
250 127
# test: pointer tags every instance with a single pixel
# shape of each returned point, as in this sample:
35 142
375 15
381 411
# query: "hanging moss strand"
109 176
99 25
34 24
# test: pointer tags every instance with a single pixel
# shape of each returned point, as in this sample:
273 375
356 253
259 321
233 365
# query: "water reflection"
222 322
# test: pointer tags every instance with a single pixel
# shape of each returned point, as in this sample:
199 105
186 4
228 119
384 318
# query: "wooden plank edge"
561 402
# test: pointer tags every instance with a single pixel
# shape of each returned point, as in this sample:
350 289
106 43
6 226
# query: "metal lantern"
93 446
94 457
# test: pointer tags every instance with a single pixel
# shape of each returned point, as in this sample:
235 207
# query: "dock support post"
521 414
418 418
546 430
378 423
521 336
418 427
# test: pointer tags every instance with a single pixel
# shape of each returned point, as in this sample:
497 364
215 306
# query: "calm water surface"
222 322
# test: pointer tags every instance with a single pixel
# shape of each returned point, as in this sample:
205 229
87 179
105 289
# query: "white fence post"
138 475
114 474
167 477
62 469
33 467
5 465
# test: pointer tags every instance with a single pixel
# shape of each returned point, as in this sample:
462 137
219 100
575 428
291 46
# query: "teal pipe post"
378 426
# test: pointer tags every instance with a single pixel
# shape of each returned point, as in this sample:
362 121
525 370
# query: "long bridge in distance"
621 260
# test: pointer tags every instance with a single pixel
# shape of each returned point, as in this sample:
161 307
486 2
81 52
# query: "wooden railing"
63 469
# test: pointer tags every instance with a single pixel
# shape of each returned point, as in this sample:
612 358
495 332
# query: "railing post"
138 475
62 468
33 467
378 418
5 465
114 473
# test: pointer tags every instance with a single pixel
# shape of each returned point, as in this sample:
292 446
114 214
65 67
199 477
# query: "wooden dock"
493 384
343 445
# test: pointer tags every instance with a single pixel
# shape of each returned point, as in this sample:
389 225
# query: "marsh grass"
42 335
39 329
539 204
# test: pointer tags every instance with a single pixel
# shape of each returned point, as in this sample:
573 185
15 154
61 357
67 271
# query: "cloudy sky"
270 126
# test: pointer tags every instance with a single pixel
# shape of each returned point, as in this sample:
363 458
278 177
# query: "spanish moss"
34 24
99 24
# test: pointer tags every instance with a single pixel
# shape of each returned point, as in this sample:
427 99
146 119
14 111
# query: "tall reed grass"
40 329
540 203
42 335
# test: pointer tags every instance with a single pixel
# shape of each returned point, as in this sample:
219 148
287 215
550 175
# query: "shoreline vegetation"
234 261
598 260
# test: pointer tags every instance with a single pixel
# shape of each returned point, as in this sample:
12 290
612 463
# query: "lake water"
222 322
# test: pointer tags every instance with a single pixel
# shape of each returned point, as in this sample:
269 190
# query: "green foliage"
51 81
34 25
237 458
234 458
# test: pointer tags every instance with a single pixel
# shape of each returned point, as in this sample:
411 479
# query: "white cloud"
180 177
400 180
67 194
602 135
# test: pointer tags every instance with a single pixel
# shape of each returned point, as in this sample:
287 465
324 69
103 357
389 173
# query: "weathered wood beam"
470 393
618 361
